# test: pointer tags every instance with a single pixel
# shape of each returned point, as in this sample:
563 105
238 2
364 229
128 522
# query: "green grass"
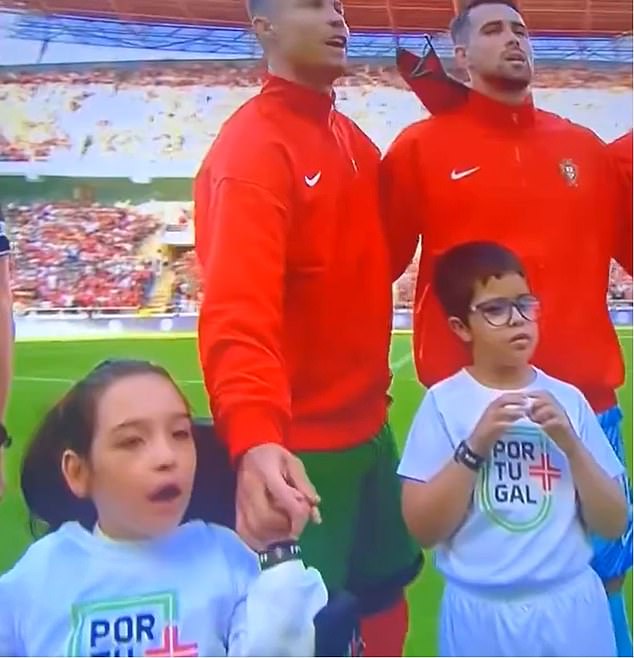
44 371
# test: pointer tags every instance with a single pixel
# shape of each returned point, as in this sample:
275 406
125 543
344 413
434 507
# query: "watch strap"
279 552
465 456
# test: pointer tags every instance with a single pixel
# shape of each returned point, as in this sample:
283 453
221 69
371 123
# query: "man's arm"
6 334
244 228
242 223
401 204
621 153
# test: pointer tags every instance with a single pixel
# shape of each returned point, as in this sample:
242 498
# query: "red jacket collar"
299 98
501 115
439 92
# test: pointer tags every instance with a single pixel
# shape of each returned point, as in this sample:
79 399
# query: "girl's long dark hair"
70 425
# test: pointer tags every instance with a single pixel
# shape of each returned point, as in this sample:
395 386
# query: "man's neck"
502 377
287 72
506 96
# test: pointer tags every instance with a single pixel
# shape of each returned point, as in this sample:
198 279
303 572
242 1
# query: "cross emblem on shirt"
546 471
171 646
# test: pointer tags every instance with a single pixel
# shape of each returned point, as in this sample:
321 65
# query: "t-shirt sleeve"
274 609
429 446
9 645
597 443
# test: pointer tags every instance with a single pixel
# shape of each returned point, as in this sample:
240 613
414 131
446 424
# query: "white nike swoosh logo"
311 182
457 175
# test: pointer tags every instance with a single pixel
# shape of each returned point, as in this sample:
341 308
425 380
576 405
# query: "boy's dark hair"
459 26
70 425
459 269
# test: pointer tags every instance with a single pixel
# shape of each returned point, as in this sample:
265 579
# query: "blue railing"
235 43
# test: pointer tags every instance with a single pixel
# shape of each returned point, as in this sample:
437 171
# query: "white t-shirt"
195 592
523 526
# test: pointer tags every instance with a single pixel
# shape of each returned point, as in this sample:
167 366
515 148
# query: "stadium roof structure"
588 30
568 17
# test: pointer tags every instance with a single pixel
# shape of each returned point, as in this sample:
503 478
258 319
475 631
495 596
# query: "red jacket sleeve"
621 152
241 234
400 199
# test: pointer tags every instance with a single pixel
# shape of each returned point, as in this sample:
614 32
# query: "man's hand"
496 419
274 499
546 412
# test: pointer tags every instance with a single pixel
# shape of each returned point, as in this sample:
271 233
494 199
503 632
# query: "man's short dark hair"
459 26
459 269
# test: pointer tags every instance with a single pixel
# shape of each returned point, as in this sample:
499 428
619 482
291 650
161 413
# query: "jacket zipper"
343 143
518 154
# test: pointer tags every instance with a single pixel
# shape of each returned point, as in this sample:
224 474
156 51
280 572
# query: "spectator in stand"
73 255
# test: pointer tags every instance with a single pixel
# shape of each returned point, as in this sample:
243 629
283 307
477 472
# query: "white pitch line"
396 366
400 363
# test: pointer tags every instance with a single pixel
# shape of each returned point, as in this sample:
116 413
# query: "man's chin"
511 82
329 72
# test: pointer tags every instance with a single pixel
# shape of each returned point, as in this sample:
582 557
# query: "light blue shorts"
613 557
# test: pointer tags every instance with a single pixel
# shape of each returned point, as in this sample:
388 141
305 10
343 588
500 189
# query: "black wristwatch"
464 455
281 551
5 439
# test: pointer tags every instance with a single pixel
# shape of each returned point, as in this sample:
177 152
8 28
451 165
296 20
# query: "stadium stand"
134 118
68 255
173 113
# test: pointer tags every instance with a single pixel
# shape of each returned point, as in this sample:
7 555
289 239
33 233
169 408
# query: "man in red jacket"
621 151
494 168
291 242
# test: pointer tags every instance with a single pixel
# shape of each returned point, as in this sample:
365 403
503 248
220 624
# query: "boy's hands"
496 419
546 412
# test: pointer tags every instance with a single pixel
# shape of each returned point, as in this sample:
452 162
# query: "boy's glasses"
499 312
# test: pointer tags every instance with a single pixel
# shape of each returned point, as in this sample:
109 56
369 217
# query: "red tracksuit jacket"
295 323
536 183
621 151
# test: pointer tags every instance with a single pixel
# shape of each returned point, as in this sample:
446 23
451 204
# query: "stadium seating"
149 120
186 289
70 255
107 115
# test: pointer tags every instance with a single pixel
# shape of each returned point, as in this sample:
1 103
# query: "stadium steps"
162 292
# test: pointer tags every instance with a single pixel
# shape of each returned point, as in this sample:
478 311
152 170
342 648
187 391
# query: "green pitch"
44 370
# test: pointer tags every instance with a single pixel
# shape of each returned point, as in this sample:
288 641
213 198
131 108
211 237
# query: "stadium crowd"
186 288
172 113
69 255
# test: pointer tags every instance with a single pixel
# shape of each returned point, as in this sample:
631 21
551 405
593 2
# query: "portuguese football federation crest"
569 171
516 484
